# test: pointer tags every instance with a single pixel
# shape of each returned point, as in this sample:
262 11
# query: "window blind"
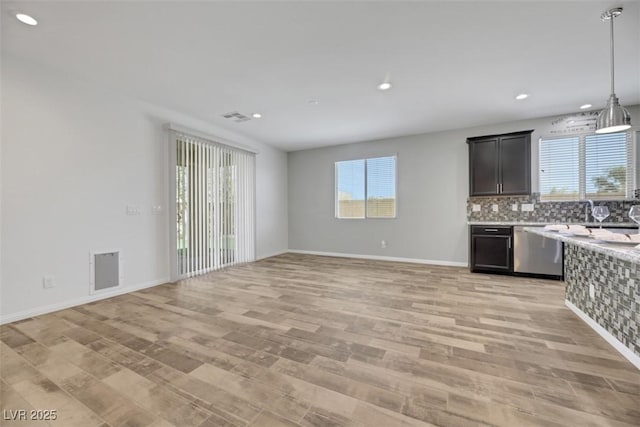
366 188
586 167
214 205
607 169
381 187
560 169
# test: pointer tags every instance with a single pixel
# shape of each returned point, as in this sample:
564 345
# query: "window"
559 169
366 188
586 167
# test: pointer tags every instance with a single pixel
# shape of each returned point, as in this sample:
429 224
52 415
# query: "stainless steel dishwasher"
536 255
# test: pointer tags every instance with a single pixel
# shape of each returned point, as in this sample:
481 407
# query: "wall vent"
236 117
106 270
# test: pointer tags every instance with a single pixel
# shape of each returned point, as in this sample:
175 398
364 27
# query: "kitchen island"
603 288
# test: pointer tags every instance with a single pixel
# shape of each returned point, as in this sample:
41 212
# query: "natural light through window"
366 188
586 167
559 168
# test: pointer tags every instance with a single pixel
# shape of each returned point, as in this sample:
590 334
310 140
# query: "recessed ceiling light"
585 106
384 86
571 122
522 96
313 102
256 115
26 19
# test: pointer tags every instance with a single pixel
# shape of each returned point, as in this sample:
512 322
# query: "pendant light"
614 118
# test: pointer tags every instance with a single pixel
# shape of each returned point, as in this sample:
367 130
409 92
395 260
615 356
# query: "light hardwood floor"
320 341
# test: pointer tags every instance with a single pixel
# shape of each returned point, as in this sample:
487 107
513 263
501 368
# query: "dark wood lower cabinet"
491 249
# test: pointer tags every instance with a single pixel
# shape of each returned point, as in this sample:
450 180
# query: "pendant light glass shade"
614 117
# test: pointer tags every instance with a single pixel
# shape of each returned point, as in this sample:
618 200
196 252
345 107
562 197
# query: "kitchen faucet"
586 211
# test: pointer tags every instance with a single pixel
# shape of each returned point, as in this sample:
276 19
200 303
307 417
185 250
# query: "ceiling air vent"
236 117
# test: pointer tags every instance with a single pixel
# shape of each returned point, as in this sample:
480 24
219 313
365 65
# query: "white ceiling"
453 64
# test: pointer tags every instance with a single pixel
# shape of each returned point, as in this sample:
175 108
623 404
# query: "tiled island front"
603 288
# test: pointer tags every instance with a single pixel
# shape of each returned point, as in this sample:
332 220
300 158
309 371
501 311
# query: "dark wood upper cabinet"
515 164
500 164
484 170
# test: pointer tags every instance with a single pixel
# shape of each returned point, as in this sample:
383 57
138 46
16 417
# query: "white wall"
272 224
73 156
432 191
1 163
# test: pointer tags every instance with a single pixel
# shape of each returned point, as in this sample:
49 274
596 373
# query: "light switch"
48 282
514 207
494 207
475 207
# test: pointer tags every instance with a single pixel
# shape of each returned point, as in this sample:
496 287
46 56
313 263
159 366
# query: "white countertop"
621 251
542 224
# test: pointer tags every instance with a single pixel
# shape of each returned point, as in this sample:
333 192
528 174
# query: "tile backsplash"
501 209
616 292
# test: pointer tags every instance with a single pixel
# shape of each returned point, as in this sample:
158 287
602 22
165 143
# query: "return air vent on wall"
106 270
236 117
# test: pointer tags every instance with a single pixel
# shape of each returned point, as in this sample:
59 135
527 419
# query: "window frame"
366 192
632 137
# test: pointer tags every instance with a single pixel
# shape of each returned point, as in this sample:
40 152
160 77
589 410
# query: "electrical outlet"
133 210
514 207
383 244
475 207
592 291
157 210
48 282
494 207
526 207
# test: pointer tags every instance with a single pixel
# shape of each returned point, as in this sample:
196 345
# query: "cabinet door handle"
498 188
509 242
492 230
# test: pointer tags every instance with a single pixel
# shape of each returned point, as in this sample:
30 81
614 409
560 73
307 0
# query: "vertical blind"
366 188
215 205
596 166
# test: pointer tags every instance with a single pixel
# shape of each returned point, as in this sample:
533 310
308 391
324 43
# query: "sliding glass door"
213 219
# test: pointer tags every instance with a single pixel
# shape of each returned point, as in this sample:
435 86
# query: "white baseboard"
383 258
273 254
25 314
615 343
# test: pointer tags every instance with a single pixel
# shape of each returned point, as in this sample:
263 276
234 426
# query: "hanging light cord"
612 63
